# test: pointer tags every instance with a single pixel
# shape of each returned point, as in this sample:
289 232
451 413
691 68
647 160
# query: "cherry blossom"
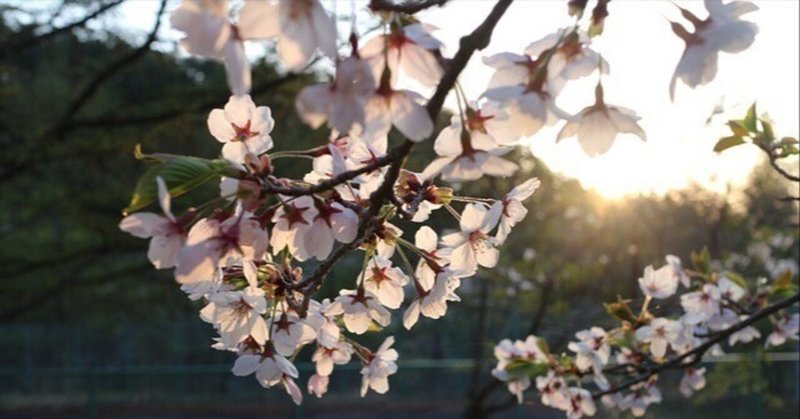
242 127
580 403
597 126
472 246
722 30
325 358
508 352
270 369
659 283
572 58
468 152
360 308
701 305
693 380
210 33
301 26
512 210
287 332
380 365
409 48
332 221
385 281
322 318
166 233
237 315
318 385
293 221
400 108
592 350
785 329
341 102
660 333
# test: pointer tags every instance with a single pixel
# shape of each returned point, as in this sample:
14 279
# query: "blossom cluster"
258 255
622 363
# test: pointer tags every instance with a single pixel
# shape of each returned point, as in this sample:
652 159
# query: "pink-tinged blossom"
166 233
270 369
287 332
318 385
341 102
580 403
660 334
571 59
401 108
410 49
592 349
659 283
693 380
212 244
519 87
472 246
380 365
598 125
512 210
385 281
326 358
332 221
677 268
730 290
468 152
237 315
431 303
301 26
242 127
293 221
210 33
322 318
641 396
508 352
746 335
785 329
553 390
360 309
722 30
427 241
701 305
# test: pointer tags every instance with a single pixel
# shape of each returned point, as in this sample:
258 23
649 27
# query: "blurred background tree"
78 295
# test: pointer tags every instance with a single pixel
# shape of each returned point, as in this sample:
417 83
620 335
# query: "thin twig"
408 7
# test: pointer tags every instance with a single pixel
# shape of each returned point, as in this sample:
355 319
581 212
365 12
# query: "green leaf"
788 140
750 121
738 279
180 173
738 128
620 310
520 368
783 284
769 133
728 142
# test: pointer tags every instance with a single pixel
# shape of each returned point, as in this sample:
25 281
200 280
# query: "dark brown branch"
408 7
773 161
89 91
696 354
28 41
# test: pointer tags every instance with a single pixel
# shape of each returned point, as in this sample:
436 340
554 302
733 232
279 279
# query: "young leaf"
750 121
181 174
728 142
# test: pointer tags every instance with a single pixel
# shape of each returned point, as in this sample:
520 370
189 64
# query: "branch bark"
408 7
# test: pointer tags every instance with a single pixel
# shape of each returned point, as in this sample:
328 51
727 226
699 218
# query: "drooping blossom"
318 384
468 151
408 48
785 329
322 318
399 108
301 26
288 331
340 102
380 365
722 30
693 380
507 353
166 232
270 369
242 127
326 358
210 33
571 59
598 125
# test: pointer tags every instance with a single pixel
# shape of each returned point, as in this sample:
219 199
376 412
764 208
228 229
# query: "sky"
642 52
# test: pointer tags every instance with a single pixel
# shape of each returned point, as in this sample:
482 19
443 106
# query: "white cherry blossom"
598 125
400 108
301 26
166 233
326 358
472 246
693 380
511 209
409 48
660 334
785 329
701 305
385 281
380 365
360 309
659 283
242 127
237 315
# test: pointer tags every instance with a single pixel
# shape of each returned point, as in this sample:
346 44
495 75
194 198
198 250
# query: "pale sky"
642 52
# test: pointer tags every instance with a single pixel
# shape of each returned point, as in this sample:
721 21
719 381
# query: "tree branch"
408 7
697 353
31 40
